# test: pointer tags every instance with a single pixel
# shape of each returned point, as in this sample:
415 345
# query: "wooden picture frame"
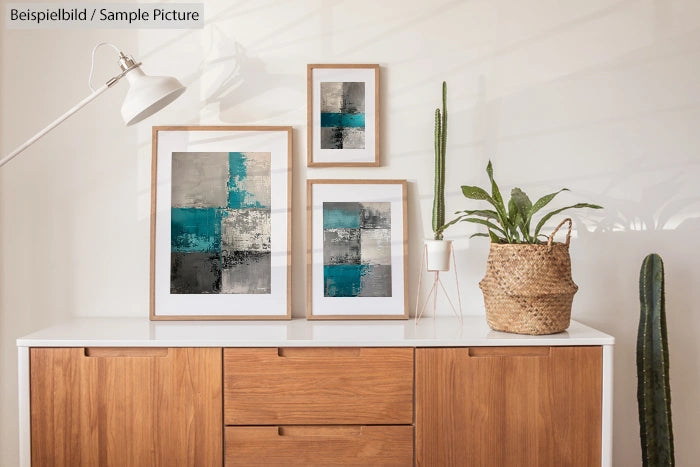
343 115
357 241
221 222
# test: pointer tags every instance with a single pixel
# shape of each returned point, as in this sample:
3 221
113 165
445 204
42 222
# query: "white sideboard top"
429 332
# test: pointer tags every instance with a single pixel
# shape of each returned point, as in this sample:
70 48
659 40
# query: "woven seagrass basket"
528 288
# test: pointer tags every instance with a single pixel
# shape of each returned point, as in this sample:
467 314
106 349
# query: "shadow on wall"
668 204
664 219
231 77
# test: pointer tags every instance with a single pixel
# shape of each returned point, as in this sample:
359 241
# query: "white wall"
601 96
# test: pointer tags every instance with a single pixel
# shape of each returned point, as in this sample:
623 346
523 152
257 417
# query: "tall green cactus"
653 388
440 147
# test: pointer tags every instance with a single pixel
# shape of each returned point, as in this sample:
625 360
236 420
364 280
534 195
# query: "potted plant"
438 249
528 287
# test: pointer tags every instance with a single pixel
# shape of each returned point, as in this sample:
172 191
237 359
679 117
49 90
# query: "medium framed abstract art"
343 115
356 249
220 222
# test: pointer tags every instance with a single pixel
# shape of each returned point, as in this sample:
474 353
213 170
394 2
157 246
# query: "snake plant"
509 222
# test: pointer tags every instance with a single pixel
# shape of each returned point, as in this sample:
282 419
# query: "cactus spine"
653 389
440 147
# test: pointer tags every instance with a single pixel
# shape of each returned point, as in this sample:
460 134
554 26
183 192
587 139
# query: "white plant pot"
438 254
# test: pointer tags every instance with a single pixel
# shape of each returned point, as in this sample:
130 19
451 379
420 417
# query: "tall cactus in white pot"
438 249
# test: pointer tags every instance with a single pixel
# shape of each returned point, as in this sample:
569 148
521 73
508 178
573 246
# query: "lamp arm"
58 121
145 104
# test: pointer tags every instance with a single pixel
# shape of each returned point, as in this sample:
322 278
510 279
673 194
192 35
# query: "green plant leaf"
442 228
557 211
495 238
539 204
486 213
512 211
474 192
479 234
542 202
515 237
513 216
521 200
488 224
495 192
498 201
520 224
524 205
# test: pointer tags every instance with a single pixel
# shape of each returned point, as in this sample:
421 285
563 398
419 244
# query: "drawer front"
318 386
319 445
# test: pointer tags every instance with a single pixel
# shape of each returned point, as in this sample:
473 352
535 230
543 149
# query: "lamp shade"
148 94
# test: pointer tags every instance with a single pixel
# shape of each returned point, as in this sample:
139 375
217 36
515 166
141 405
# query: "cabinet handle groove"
331 431
490 352
117 352
318 352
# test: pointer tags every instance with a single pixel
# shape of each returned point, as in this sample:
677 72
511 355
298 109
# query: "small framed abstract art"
356 249
343 115
220 222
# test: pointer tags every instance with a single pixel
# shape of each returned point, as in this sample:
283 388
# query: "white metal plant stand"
437 286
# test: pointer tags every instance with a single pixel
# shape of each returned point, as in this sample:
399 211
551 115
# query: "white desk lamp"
146 96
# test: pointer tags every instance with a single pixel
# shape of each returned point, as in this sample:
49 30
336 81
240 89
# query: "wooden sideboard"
138 393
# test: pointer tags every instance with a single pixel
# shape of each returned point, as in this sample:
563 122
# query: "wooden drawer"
319 445
318 386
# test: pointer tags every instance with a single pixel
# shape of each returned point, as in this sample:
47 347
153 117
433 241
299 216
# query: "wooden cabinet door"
508 406
126 407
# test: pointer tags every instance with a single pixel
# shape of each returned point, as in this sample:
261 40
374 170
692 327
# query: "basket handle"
568 234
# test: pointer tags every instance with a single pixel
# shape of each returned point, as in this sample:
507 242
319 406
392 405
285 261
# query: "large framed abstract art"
343 115
220 223
356 249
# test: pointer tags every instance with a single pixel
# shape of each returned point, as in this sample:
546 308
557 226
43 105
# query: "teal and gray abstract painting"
220 223
356 249
342 115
